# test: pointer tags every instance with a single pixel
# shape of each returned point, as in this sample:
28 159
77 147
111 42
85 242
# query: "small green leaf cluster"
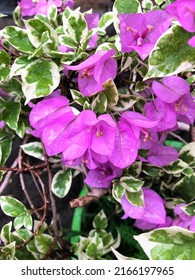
22 238
98 243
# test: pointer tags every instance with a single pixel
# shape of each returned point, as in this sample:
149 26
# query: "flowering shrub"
113 107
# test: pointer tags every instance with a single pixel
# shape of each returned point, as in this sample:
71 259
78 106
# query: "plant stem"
7 177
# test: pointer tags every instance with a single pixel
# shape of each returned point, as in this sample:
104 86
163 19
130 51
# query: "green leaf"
4 65
39 79
5 233
171 54
187 171
21 129
11 114
105 20
159 2
31 247
45 40
134 170
35 29
6 147
100 221
185 188
3 134
52 13
99 104
71 57
19 64
176 167
147 4
12 86
131 184
135 198
108 240
95 248
75 25
4 58
8 252
187 154
126 7
34 149
11 206
125 102
118 191
18 38
106 47
17 17
111 92
2 15
28 222
23 233
174 243
68 41
78 97
2 105
152 171
93 252
43 242
19 221
61 183
189 209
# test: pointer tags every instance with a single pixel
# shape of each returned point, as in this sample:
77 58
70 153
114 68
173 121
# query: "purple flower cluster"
95 71
31 8
139 32
104 144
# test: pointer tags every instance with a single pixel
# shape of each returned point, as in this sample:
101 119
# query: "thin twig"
53 203
22 181
35 183
8 50
44 213
178 137
7 177
25 169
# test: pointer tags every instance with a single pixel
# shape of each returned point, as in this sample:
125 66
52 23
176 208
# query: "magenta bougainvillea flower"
184 12
176 91
185 109
48 117
95 71
148 138
153 210
170 89
183 220
2 124
160 155
92 22
145 127
191 42
103 175
144 225
31 8
27 7
163 112
139 32
126 145
89 132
